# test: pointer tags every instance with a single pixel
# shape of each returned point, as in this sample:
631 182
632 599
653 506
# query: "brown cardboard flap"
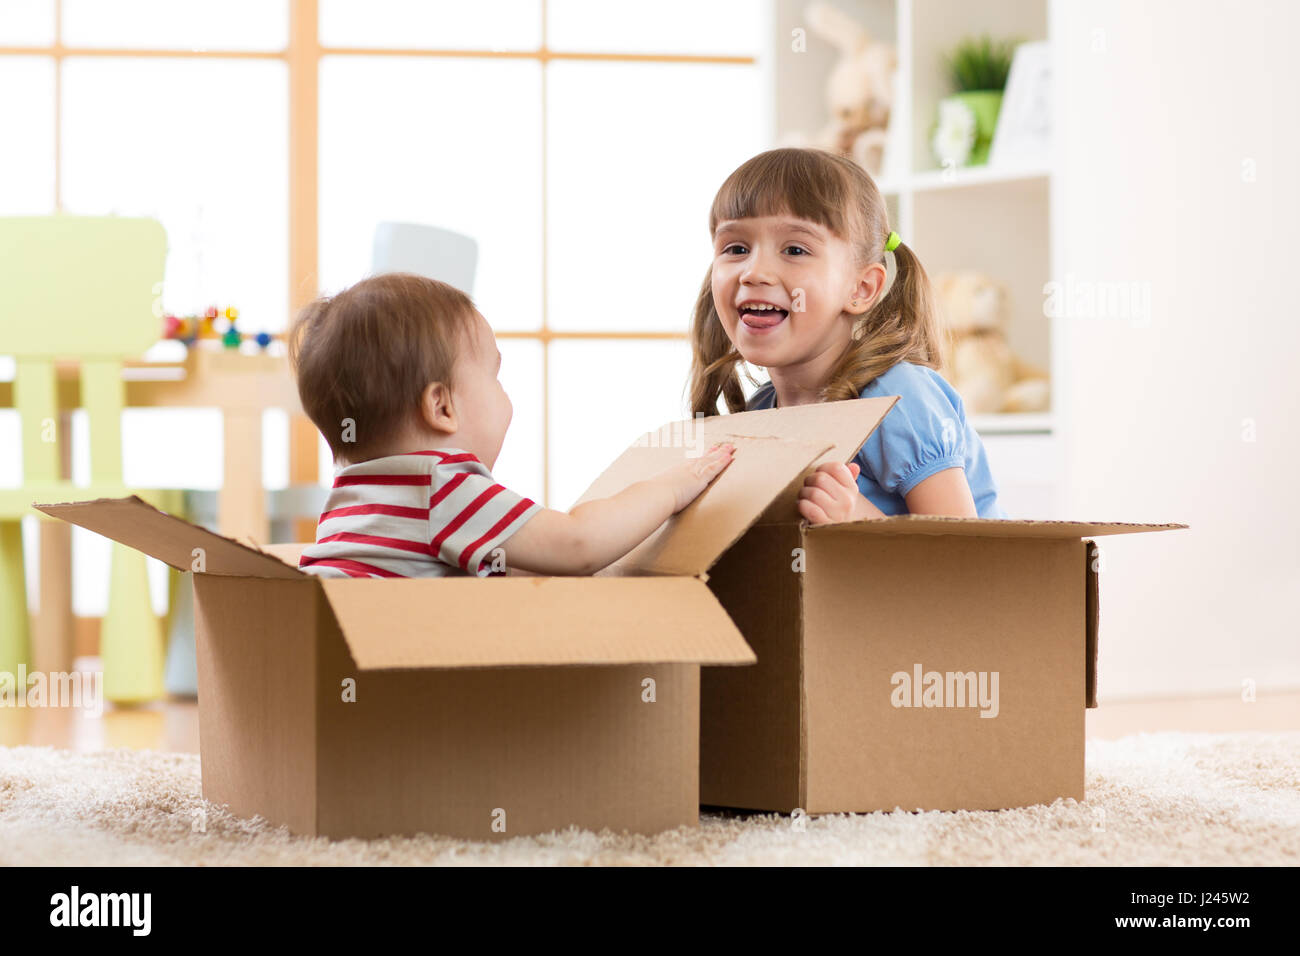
691 541
775 449
505 621
172 540
986 527
289 553
844 425
1090 622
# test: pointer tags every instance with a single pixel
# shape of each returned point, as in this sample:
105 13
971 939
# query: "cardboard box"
500 706
475 707
918 662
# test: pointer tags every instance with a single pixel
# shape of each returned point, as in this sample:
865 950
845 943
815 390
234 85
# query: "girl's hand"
830 494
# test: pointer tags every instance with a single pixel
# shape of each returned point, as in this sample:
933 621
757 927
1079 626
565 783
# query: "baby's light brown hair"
363 357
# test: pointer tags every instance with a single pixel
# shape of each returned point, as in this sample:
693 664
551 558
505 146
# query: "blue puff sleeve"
924 433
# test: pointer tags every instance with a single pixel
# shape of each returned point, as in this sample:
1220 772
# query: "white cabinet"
1001 221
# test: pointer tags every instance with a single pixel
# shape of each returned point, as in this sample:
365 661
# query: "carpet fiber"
1152 799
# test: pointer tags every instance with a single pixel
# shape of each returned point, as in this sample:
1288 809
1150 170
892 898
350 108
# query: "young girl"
797 286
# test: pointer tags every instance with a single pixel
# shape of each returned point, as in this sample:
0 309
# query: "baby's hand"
831 494
689 479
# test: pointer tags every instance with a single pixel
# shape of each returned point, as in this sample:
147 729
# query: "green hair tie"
892 242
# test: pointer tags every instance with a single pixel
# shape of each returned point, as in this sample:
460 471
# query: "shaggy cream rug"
1152 799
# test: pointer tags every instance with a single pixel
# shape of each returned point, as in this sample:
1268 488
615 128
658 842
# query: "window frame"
302 57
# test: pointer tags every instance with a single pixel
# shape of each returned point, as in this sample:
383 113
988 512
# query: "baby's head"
400 363
799 280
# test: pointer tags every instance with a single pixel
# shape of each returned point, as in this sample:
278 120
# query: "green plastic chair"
80 288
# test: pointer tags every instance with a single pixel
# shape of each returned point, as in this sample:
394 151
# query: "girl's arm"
944 493
830 494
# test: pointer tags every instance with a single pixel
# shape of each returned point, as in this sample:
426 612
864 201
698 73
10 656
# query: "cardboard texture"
499 706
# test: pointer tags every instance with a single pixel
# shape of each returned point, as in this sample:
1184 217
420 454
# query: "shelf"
934 179
1013 423
1001 221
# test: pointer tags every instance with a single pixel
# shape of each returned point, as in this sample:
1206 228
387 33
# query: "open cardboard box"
921 662
500 706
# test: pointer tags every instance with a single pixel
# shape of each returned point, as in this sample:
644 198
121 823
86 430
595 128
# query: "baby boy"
399 373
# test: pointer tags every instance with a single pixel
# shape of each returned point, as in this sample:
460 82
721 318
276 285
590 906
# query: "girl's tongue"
762 318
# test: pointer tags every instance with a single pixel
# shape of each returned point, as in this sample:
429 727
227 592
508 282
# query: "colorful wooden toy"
214 323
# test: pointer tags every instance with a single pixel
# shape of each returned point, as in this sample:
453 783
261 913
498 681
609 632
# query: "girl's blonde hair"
836 193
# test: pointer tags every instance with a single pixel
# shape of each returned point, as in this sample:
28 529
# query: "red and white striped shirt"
422 514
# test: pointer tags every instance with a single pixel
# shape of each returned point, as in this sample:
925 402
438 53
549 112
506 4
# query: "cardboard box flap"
172 540
775 449
845 425
504 621
691 541
1091 611
987 527
290 552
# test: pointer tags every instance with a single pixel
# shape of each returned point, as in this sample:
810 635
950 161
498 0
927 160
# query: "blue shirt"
924 433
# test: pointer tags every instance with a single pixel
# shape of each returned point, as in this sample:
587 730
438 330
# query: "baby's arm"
597 533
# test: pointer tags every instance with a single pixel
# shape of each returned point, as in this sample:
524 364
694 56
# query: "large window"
578 141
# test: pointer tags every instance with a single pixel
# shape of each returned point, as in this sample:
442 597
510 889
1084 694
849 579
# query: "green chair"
83 289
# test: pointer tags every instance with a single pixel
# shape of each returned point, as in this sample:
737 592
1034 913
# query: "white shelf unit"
1000 221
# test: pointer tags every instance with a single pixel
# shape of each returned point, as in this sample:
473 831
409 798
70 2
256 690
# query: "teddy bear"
988 375
859 90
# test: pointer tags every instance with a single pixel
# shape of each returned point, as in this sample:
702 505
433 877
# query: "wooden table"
242 385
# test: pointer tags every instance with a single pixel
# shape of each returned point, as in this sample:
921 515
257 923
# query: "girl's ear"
871 280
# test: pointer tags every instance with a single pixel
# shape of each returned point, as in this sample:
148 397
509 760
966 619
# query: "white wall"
1168 108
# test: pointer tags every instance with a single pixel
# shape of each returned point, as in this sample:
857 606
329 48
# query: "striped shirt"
428 513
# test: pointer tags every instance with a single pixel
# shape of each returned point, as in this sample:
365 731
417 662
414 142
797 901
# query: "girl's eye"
735 249
797 250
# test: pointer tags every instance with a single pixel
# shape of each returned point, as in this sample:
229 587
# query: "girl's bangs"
806 184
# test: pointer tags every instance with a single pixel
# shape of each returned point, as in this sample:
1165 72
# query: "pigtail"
714 359
912 297
903 326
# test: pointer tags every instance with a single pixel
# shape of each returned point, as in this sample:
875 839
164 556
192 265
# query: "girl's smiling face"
787 290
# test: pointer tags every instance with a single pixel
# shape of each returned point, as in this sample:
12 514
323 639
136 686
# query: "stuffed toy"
859 91
988 375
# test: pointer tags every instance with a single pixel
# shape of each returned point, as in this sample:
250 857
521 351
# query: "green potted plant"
977 69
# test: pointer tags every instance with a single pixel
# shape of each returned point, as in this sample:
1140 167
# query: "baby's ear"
437 409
